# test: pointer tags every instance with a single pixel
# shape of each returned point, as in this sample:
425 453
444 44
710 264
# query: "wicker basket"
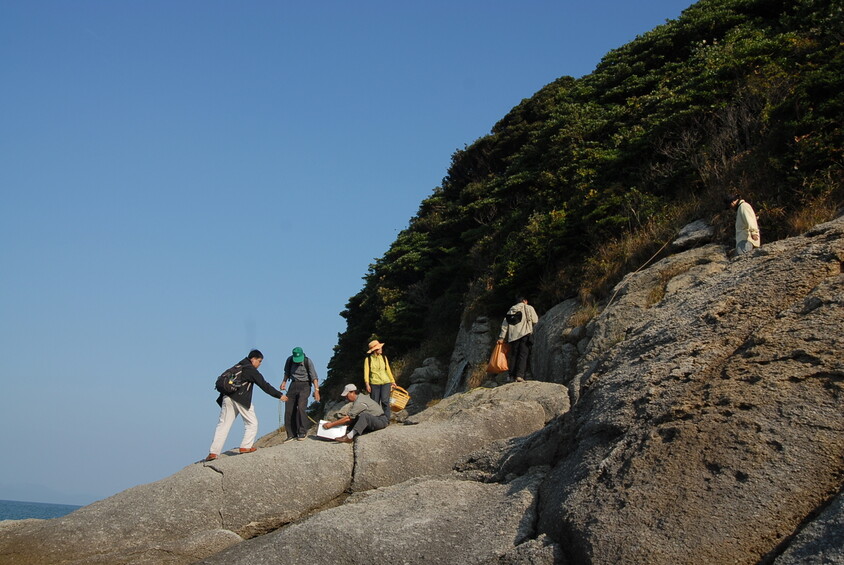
398 399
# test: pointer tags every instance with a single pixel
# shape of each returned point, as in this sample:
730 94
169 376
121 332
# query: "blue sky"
183 181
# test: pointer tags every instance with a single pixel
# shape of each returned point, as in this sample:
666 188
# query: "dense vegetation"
589 177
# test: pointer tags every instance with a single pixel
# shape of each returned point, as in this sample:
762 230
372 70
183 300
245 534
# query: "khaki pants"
228 412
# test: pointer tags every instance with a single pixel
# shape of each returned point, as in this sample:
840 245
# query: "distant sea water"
17 510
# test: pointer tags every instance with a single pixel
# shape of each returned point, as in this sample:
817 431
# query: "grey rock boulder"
421 395
470 355
554 356
634 297
191 514
445 433
429 372
821 541
715 427
427 521
552 401
694 234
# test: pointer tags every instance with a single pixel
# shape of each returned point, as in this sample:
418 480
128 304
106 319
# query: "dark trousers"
520 355
381 395
366 422
295 409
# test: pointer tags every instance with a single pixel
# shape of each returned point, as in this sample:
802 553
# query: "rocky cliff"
697 419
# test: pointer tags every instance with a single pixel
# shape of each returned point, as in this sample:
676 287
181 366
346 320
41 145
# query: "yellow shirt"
376 370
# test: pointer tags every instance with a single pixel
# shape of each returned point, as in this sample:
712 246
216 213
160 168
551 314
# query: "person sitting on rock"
361 412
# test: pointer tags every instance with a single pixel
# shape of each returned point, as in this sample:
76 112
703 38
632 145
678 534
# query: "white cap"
348 389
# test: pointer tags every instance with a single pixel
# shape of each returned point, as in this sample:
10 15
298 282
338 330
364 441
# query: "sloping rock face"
555 354
634 297
715 427
208 507
471 352
453 521
821 542
567 352
194 513
453 429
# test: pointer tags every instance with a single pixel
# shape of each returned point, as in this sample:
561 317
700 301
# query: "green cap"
298 355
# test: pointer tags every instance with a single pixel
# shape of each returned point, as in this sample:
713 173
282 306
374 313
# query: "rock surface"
453 429
715 427
453 521
192 514
470 355
821 541
555 355
695 234
425 385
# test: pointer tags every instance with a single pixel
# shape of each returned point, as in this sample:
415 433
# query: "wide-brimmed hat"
347 389
374 344
298 355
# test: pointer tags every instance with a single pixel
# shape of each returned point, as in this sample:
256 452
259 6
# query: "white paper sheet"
330 433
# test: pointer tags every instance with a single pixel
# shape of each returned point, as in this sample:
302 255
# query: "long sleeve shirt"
525 326
362 403
746 226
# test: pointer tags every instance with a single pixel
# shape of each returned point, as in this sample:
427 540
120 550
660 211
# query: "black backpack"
230 381
514 318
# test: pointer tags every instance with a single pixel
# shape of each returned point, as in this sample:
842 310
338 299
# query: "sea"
17 510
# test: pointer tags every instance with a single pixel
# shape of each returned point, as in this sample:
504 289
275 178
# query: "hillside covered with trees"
588 178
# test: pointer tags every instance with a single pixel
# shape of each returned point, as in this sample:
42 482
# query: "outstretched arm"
341 422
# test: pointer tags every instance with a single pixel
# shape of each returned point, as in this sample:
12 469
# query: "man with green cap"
300 370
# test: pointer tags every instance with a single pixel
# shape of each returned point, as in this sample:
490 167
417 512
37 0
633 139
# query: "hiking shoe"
247 449
211 457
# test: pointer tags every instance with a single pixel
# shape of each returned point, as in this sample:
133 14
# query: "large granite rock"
425 385
632 299
714 427
551 401
820 541
694 234
194 513
555 355
426 521
471 354
453 429
207 507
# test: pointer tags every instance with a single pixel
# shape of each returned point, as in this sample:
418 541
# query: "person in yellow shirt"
378 376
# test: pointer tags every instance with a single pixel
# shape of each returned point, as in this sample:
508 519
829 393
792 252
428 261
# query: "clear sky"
183 181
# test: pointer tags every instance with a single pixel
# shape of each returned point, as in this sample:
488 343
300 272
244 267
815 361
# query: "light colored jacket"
746 226
525 326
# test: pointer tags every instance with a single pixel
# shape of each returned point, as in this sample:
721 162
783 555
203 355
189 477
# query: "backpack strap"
307 369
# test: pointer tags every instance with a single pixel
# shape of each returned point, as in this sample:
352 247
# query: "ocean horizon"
21 510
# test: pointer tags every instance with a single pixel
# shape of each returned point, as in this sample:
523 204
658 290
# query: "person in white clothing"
747 230
517 328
